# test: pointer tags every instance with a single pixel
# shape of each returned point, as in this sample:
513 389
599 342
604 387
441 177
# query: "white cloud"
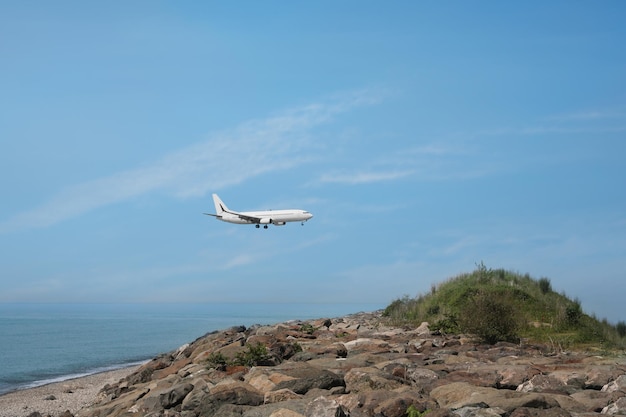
429 162
589 115
241 260
232 157
364 177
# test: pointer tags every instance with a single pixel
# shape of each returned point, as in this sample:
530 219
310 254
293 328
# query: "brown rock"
283 412
461 394
280 395
537 412
369 379
592 401
172 369
235 392
304 377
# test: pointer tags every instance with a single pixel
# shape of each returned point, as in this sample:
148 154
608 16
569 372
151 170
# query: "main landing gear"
257 226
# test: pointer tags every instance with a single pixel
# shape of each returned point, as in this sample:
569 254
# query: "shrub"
573 313
491 317
447 325
252 356
544 285
621 328
216 360
307 328
412 411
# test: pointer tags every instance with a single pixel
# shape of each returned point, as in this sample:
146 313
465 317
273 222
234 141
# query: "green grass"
500 305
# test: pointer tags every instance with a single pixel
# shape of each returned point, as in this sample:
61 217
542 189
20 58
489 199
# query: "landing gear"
256 225
265 227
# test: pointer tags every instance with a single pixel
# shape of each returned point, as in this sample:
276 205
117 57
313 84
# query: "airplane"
258 218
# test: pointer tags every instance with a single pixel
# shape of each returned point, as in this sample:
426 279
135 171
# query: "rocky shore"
360 366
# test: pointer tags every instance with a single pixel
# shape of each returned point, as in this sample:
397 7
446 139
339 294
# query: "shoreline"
70 394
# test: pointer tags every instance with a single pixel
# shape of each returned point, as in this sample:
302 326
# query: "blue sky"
424 137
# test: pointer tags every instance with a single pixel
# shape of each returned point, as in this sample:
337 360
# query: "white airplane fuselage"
277 217
264 217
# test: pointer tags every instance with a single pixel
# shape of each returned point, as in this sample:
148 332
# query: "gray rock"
592 400
324 407
175 396
423 329
545 383
618 385
616 408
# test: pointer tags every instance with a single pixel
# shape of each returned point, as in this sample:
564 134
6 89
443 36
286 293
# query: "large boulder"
324 407
367 345
618 385
175 396
304 377
207 402
280 395
461 394
616 408
547 383
369 379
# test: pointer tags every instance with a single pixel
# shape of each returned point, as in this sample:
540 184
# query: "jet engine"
279 223
266 221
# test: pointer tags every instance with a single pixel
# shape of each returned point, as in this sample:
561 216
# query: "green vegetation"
253 355
307 328
414 412
498 305
217 360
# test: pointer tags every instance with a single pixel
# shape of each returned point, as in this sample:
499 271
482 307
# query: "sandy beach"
71 395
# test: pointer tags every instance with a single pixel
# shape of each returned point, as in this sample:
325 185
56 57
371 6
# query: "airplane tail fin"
220 207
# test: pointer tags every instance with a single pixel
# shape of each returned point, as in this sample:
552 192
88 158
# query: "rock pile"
358 366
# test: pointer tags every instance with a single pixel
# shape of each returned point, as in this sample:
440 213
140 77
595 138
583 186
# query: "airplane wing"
249 218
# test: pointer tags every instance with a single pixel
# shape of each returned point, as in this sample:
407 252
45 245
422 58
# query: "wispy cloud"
254 148
558 130
240 260
269 250
364 177
589 115
581 122
428 162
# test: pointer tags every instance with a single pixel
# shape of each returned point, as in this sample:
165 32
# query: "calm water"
43 343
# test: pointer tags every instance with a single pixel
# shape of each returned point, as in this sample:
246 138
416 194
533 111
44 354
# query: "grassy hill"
499 305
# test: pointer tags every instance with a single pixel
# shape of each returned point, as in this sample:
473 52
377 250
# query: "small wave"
67 377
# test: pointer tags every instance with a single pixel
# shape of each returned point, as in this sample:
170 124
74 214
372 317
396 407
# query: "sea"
46 343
